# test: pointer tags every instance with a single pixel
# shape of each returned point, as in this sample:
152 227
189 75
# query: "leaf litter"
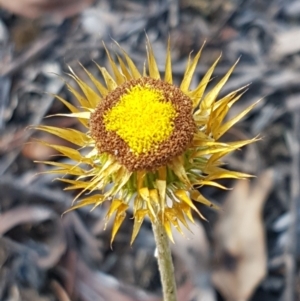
245 253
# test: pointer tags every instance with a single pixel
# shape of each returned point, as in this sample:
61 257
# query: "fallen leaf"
240 251
35 150
286 43
193 250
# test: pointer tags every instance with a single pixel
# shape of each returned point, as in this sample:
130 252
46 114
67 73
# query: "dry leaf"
194 251
286 43
35 150
240 239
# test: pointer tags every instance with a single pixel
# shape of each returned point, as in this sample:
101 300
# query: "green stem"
165 263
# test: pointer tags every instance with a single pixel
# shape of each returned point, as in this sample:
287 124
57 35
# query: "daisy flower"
148 144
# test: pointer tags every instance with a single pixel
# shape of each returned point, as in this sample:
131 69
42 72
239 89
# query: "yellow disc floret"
142 118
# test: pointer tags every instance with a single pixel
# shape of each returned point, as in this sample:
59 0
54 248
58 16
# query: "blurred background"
246 251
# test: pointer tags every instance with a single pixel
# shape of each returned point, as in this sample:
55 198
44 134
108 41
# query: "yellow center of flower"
142 118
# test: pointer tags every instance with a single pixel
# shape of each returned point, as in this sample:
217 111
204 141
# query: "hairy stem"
165 263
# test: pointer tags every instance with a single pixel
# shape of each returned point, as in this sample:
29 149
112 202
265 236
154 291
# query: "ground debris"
46 257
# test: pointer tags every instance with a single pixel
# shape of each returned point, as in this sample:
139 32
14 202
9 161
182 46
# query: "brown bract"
175 145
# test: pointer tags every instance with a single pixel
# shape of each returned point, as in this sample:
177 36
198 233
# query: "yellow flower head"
150 143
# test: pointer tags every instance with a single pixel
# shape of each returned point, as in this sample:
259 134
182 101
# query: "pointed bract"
163 192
